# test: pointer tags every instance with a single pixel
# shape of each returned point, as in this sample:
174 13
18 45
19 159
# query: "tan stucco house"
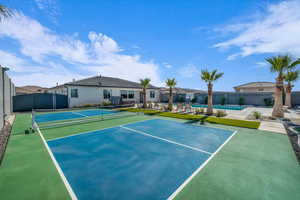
256 87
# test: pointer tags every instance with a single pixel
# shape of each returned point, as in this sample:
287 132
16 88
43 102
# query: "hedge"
210 119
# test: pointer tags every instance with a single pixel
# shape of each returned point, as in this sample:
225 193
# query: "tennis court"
69 115
151 159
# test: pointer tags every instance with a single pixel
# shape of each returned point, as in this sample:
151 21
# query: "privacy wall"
7 91
234 98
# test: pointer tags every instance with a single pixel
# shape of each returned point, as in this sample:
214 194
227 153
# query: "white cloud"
277 31
261 65
39 45
189 71
167 65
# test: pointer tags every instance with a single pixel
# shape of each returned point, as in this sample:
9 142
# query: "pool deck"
255 164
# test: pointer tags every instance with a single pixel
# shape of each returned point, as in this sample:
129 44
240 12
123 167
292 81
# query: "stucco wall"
7 90
94 95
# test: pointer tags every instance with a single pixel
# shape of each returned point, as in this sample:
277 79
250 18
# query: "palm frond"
171 82
145 82
294 64
5 12
210 76
292 76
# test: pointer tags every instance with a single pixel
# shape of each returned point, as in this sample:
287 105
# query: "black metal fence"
28 102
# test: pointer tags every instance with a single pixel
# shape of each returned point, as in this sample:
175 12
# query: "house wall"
255 89
94 95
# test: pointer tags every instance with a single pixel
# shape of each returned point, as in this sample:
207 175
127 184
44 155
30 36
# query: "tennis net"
81 120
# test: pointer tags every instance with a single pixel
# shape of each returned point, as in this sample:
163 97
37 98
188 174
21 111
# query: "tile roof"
103 81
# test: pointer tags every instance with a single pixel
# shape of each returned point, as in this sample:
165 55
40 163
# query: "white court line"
75 134
64 179
80 114
199 169
166 140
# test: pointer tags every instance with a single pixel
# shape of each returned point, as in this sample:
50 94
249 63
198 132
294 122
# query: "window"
152 94
106 94
74 93
260 89
124 94
130 94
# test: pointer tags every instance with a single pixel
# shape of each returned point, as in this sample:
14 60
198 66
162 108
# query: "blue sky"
54 41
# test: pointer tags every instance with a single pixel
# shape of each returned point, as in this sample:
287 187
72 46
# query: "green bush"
106 103
223 101
269 102
205 99
211 119
221 113
199 111
194 100
241 101
256 114
181 99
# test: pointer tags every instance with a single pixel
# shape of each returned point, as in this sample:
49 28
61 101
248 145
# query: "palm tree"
280 64
290 77
145 83
209 78
4 12
171 83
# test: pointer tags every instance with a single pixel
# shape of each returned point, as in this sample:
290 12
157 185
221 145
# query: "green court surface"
253 165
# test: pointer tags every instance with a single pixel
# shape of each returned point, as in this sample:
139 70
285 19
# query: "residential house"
179 94
99 89
256 87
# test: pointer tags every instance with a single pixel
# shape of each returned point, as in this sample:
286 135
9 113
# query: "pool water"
225 107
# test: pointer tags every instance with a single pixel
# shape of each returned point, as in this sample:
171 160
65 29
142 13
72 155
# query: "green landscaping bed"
211 119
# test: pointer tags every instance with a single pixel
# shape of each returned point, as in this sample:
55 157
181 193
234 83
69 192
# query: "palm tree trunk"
209 100
288 94
145 98
278 108
170 98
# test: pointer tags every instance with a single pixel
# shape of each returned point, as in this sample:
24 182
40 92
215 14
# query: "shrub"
106 103
223 101
170 107
256 114
199 111
181 99
269 102
221 113
241 101
211 119
206 100
194 100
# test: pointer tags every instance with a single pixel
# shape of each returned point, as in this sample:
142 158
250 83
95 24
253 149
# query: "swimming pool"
225 107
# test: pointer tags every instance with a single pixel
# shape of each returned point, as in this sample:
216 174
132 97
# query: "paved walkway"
272 126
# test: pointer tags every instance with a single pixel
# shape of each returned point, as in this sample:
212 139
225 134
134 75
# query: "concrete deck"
272 126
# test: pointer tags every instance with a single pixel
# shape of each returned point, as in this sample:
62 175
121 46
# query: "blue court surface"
143 160
76 114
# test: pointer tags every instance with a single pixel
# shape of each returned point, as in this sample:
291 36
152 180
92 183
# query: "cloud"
167 65
189 71
40 46
261 65
50 7
276 31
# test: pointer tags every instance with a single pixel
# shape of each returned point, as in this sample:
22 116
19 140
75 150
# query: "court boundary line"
81 133
77 113
181 187
166 140
59 170
195 124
